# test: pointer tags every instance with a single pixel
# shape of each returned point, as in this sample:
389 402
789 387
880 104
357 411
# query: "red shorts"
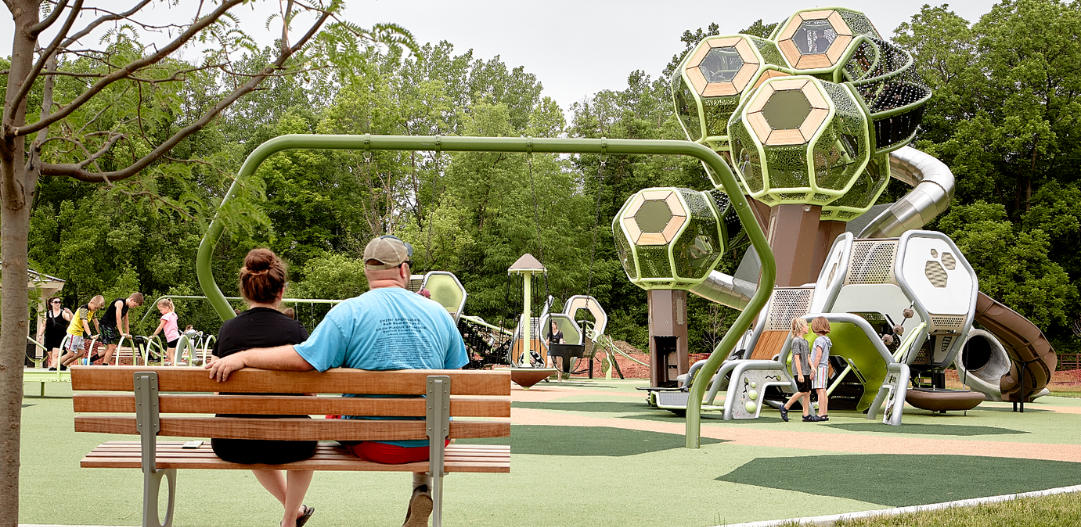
388 454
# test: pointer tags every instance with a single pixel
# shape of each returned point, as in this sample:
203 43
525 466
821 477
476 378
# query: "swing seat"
567 352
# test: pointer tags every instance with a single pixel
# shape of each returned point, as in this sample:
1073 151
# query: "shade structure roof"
526 264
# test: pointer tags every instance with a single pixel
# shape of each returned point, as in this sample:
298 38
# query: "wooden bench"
147 399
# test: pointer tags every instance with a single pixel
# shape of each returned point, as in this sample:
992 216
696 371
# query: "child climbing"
170 328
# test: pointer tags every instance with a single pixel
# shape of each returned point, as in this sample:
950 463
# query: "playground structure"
525 348
815 121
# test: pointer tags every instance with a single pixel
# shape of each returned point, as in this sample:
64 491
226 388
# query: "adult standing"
387 328
57 318
262 284
114 323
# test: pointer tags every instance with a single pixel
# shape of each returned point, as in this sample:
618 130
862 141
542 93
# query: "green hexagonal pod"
799 140
710 81
820 41
669 238
864 192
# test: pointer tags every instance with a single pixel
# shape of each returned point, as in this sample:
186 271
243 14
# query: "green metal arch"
522 145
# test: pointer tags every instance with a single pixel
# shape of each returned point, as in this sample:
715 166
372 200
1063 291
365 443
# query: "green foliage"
331 276
1006 117
1012 264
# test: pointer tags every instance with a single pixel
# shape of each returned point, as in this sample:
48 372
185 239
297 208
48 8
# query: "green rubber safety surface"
905 480
593 453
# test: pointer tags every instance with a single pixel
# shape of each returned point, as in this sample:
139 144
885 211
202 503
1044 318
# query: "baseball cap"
389 250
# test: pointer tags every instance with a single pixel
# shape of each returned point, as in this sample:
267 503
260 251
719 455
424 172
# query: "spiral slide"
1024 343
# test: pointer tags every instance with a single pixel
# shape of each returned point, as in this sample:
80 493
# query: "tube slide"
725 290
1024 343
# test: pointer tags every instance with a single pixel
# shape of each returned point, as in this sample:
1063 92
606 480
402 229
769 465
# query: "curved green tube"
523 145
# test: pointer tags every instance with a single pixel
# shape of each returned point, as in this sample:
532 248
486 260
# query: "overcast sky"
575 47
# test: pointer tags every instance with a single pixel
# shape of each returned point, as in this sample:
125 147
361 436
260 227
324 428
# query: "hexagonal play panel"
654 217
787 112
814 39
722 66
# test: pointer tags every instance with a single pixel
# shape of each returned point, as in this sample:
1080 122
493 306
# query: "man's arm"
276 358
127 328
118 307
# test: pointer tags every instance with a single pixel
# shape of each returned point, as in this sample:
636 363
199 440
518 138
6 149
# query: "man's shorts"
110 334
821 373
803 386
77 344
387 454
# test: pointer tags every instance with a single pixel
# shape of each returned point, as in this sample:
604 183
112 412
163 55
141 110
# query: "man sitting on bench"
387 328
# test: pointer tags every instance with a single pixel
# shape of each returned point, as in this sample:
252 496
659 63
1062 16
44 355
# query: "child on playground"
801 370
821 363
170 328
80 328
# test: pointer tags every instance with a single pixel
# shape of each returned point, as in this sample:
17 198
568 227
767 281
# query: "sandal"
303 518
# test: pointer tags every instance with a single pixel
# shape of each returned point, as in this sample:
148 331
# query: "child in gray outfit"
801 371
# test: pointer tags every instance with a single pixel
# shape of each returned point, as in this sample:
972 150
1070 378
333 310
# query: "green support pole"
523 145
526 315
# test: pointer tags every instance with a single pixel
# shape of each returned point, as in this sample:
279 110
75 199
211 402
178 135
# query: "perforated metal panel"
872 262
787 304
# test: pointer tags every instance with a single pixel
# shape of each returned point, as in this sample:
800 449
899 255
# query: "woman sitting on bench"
262 284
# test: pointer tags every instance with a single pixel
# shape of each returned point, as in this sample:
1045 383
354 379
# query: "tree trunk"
14 225
17 185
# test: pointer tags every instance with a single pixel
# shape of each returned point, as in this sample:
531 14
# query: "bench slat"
251 380
459 458
290 429
460 406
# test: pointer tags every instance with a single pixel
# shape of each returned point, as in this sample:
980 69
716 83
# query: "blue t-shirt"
825 343
389 328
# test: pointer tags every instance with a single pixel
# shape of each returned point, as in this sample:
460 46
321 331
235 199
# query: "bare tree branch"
133 66
80 173
102 151
36 29
110 17
45 56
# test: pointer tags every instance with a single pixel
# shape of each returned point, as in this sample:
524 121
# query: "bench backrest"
181 394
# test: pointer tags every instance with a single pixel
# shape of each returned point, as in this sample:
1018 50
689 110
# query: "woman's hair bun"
262 278
259 259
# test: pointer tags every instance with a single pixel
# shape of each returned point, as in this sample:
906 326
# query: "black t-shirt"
109 318
556 338
55 329
258 327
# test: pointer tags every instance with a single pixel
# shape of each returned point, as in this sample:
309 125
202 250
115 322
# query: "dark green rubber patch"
922 429
900 480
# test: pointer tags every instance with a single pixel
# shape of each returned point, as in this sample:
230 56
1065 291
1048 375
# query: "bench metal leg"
151 490
438 428
148 424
